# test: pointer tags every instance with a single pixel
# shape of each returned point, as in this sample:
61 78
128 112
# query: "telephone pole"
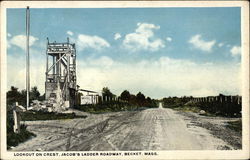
27 55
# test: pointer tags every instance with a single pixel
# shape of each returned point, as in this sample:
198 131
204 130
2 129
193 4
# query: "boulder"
202 112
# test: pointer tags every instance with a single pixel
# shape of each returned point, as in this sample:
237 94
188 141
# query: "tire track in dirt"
97 132
150 129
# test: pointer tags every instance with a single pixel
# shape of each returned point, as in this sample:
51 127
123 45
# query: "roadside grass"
212 108
40 115
109 107
235 125
13 139
188 109
193 108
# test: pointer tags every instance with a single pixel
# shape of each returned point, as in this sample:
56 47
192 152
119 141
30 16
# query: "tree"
132 99
42 97
149 101
34 93
106 92
13 95
140 98
125 95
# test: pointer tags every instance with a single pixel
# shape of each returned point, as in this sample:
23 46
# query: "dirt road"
150 129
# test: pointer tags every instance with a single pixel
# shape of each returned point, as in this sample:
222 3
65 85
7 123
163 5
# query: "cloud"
95 42
16 73
161 77
143 38
70 33
169 39
201 44
20 41
103 61
235 50
117 36
221 44
9 35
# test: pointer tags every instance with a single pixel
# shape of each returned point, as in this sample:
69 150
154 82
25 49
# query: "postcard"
125 80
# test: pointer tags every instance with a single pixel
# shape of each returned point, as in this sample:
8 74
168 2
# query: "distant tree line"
14 95
138 100
173 102
125 101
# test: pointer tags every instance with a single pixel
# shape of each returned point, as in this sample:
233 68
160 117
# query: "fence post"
221 99
239 99
16 118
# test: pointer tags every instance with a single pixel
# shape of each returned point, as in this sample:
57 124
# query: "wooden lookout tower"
60 73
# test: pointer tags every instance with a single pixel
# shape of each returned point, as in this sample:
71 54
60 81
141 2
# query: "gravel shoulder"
217 126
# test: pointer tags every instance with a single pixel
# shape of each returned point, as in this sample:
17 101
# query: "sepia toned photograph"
124 81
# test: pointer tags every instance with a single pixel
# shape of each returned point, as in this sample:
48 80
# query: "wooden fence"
110 98
220 99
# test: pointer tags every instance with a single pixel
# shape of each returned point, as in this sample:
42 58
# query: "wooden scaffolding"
60 81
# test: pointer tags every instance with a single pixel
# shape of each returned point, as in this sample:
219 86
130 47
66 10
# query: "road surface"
150 129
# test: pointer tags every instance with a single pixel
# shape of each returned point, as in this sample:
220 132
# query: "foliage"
13 139
13 95
111 106
173 102
140 98
41 115
235 125
126 102
125 95
227 109
34 94
107 92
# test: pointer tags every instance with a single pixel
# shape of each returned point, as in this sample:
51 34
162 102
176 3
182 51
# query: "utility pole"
27 56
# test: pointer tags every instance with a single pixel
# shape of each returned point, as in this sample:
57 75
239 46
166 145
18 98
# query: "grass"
188 109
40 115
192 108
13 139
235 125
109 107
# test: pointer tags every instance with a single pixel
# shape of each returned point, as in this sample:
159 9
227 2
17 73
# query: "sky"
160 52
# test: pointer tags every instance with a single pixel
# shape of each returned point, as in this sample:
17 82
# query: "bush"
235 125
13 139
113 106
41 115
227 109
